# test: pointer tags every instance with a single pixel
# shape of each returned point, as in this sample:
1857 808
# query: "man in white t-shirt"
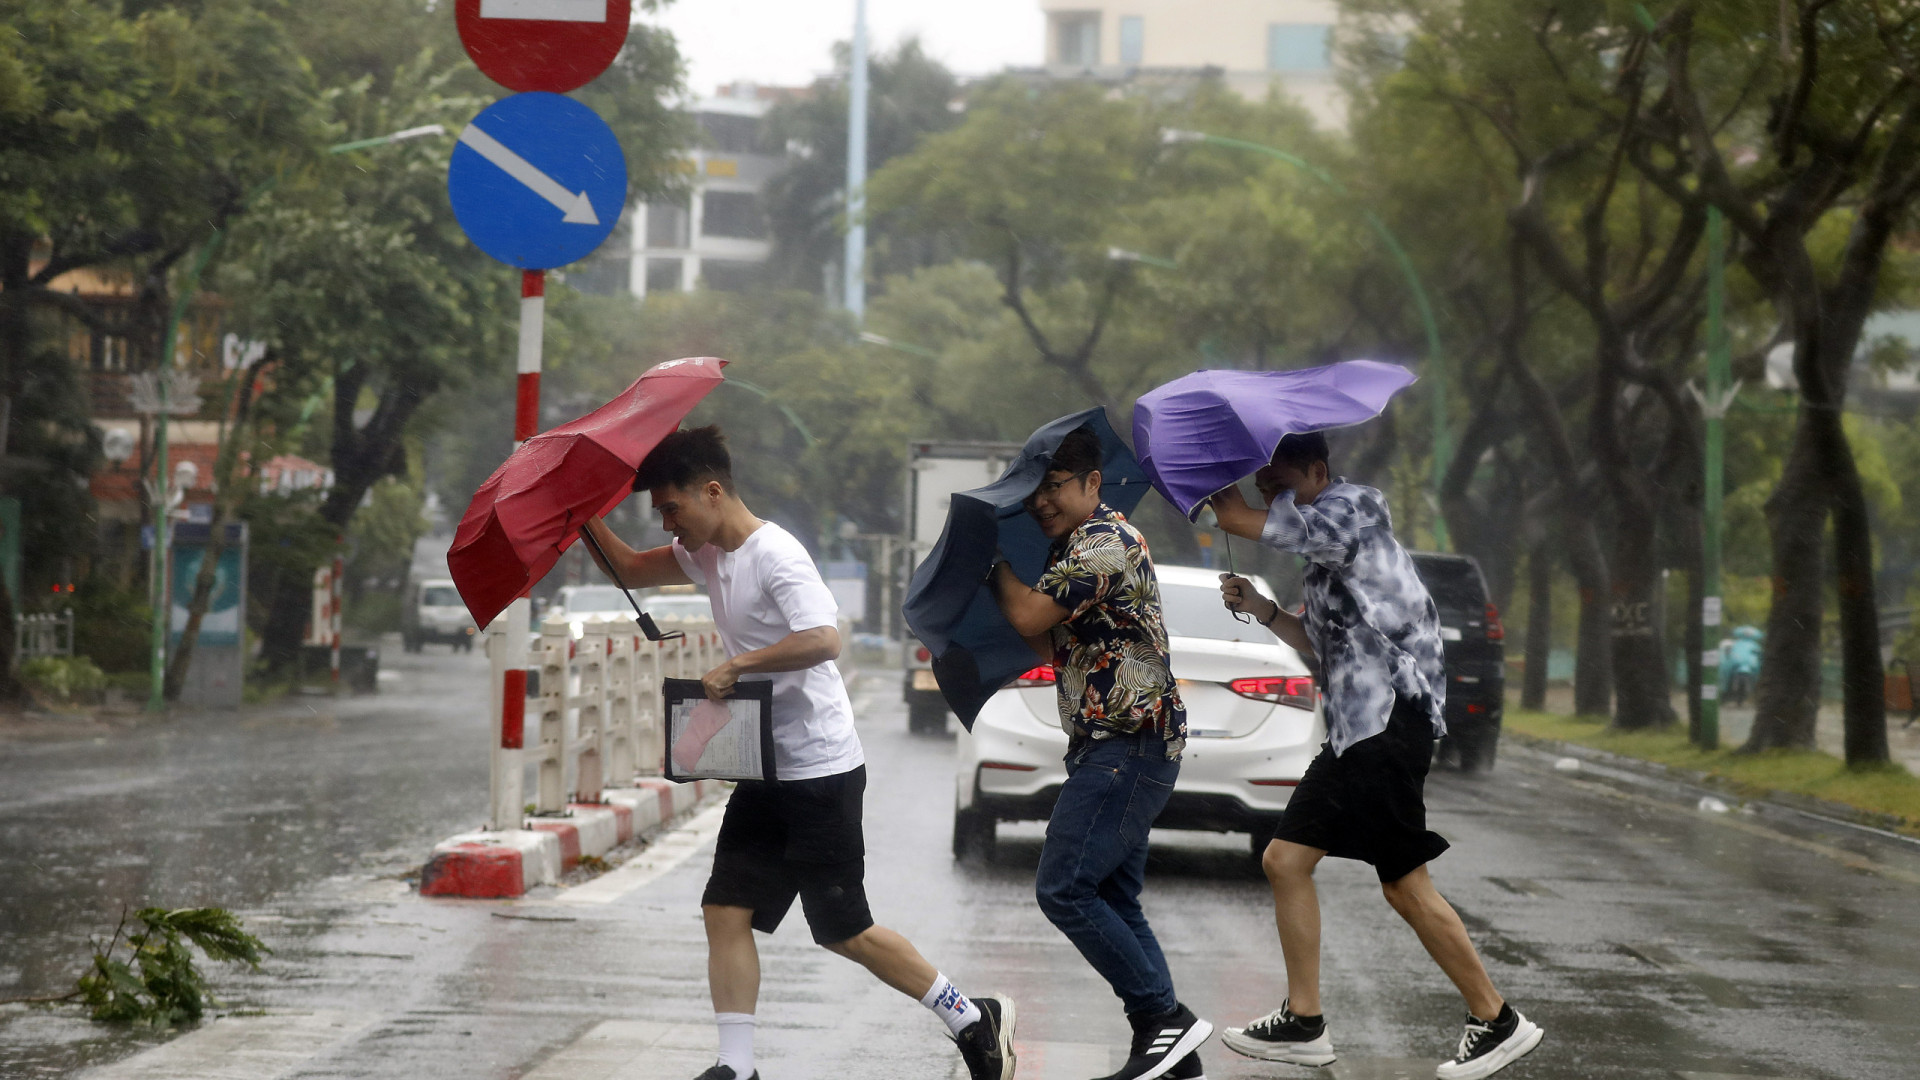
802 835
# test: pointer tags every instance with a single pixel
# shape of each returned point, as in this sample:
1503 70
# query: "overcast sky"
787 42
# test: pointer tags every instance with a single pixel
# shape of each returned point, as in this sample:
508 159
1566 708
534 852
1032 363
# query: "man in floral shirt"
1095 616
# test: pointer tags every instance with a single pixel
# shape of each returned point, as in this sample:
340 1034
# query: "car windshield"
596 598
1196 611
440 596
1454 584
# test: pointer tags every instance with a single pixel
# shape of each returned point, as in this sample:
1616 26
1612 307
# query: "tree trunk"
1593 657
1787 697
1863 675
1640 679
1539 651
225 495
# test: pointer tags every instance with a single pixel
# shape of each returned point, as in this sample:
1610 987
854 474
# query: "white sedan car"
1253 724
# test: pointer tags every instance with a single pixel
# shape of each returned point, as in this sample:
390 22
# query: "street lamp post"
1436 357
162 595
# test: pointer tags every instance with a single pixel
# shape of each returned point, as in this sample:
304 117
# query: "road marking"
241 1048
668 851
575 205
549 10
632 1050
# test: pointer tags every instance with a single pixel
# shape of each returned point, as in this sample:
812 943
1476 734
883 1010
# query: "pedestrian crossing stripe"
241 1048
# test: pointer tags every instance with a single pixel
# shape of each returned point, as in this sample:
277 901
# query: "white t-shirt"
763 591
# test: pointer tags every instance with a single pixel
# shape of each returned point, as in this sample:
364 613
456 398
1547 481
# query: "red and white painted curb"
501 864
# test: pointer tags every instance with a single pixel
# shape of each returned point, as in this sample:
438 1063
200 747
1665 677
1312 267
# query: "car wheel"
926 717
1257 842
974 832
1477 749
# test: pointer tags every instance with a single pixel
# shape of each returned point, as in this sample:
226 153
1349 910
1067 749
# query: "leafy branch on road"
157 983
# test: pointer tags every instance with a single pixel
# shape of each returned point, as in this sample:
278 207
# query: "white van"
435 613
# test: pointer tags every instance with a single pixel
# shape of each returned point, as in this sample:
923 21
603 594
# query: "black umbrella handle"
647 625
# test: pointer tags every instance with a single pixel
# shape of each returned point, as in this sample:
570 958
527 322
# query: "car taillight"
1039 676
1495 632
1294 690
921 654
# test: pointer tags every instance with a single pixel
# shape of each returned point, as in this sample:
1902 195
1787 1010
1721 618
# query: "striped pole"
333 613
507 635
533 312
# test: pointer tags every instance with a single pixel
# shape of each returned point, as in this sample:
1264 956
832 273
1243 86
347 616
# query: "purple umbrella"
1205 431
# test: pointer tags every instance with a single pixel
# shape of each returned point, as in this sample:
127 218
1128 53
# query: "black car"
1476 657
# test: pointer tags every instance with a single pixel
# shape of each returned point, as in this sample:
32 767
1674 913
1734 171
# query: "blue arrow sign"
538 180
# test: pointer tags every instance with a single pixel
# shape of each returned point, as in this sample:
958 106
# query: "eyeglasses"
1049 488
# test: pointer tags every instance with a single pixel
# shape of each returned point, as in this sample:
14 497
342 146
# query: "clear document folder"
719 740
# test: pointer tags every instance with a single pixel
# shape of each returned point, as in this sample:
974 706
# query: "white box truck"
935 470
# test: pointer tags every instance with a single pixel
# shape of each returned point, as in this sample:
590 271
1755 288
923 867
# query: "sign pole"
533 314
507 636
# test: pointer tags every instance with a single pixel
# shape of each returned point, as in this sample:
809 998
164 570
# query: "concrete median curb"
505 864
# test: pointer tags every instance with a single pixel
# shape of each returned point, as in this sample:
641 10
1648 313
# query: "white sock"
736 1042
950 1005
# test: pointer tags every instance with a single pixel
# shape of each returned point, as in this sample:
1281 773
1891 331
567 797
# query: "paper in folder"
719 740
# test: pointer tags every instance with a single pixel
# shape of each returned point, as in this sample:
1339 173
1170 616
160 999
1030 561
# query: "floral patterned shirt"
1374 628
1110 656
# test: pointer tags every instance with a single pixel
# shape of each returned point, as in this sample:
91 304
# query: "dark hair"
1079 452
685 459
1300 451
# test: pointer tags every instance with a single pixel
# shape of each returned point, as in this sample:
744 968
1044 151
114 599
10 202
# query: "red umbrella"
532 507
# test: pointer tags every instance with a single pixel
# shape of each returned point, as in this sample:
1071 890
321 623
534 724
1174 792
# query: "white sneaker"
1282 1036
1487 1047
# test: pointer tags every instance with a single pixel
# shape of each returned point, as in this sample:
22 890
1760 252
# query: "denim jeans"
1095 859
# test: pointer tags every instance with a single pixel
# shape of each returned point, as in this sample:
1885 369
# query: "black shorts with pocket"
1370 802
795 837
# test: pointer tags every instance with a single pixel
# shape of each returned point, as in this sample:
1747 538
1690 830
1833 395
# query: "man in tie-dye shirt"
1374 634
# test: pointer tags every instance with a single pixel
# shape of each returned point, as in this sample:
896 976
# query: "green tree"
910 96
126 135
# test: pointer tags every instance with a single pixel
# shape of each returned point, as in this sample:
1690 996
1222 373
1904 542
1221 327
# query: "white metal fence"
596 721
43 635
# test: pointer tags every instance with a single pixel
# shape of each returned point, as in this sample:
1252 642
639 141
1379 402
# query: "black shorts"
795 837
1369 803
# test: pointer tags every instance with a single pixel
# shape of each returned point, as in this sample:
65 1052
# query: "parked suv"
1476 658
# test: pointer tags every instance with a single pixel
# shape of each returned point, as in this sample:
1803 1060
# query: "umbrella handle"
647 625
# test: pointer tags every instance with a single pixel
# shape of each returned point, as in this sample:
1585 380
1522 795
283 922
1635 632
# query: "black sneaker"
1486 1048
987 1044
1160 1043
725 1072
1187 1068
1282 1036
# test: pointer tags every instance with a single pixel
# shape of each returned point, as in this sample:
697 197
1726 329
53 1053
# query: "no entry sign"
551 45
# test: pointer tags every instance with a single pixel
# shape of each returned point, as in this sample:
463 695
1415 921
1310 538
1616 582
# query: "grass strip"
1884 789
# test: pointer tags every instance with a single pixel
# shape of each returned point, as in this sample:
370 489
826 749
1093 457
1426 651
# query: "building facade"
1254 44
715 235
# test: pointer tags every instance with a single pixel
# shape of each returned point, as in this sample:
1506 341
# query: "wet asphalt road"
1650 939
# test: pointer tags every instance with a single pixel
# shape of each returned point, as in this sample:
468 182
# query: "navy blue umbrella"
949 607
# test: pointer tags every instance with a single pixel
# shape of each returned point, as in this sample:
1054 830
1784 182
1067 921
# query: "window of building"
731 134
1076 38
1299 47
663 275
731 275
733 214
667 225
1133 38
109 352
